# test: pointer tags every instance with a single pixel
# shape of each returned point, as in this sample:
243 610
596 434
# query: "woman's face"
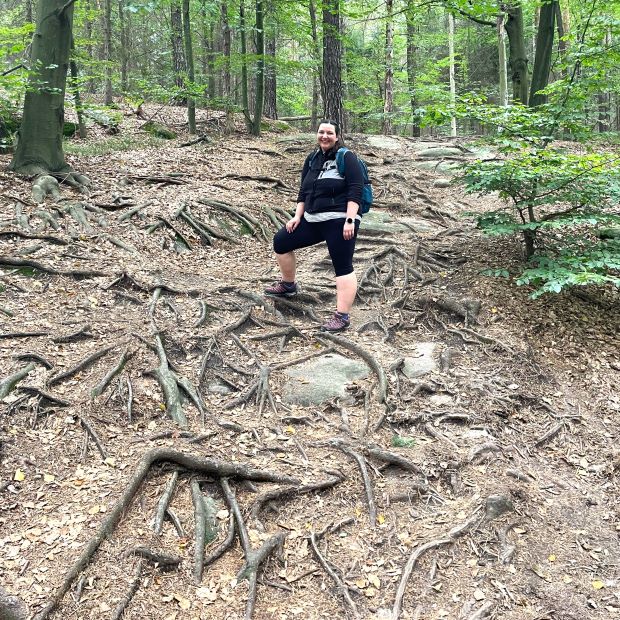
326 136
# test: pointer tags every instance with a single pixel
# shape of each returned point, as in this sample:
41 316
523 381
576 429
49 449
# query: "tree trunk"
503 68
544 51
412 65
179 66
517 53
388 101
107 51
245 100
39 148
317 82
76 94
452 71
124 48
189 55
271 110
332 63
260 68
29 17
226 80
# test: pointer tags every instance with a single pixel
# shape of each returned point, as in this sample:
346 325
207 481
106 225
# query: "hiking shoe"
281 289
336 324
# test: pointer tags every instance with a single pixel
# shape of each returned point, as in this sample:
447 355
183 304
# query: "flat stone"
441 182
422 362
440 151
423 146
321 379
440 167
218 387
381 221
419 224
385 142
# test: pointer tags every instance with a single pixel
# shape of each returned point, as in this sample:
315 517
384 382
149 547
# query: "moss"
402 442
158 130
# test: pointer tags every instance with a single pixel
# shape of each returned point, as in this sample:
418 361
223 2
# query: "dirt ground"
487 489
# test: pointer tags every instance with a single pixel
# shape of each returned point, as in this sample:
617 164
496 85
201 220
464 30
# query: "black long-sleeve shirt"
322 187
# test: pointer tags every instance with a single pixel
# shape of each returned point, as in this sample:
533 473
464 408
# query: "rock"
496 506
218 387
609 233
321 379
441 182
381 221
385 142
11 608
440 167
422 362
442 151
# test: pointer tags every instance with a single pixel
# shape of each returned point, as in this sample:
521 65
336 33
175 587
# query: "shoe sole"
334 331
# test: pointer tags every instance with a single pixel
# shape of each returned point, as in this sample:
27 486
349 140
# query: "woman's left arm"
355 184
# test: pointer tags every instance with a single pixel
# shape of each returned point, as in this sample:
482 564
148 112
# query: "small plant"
398 441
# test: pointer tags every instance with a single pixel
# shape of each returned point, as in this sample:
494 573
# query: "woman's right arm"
293 223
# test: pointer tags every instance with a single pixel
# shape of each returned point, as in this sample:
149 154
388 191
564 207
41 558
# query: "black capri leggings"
307 234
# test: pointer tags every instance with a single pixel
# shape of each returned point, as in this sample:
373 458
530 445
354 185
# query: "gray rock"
218 387
321 379
441 182
385 142
440 167
422 362
382 222
419 225
442 151
11 608
423 146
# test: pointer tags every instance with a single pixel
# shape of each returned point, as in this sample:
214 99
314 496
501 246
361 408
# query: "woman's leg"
341 253
346 289
285 244
288 265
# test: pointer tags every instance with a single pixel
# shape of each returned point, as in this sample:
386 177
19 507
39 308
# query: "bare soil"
504 505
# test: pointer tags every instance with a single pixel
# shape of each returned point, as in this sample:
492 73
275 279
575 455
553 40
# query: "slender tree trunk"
245 100
124 48
271 99
388 101
179 66
107 50
88 33
260 68
29 17
39 147
503 67
189 56
544 51
517 59
317 82
412 51
452 72
332 63
226 79
604 98
75 87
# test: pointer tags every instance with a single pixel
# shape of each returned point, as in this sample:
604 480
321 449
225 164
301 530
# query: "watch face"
349 220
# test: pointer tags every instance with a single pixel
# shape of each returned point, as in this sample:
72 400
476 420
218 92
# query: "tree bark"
271 100
544 51
39 148
107 51
189 56
317 82
452 72
226 80
332 63
517 53
388 89
503 68
75 87
179 65
412 51
260 68
245 100
124 47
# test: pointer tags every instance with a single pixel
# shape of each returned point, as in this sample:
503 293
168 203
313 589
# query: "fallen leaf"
598 585
479 595
48 478
20 476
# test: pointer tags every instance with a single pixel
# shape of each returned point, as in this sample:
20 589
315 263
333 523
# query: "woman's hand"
348 232
293 223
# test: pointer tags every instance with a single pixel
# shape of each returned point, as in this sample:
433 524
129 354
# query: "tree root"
550 434
393 459
118 368
165 561
11 381
466 309
34 357
91 432
253 558
285 492
119 612
340 585
9 261
83 332
44 397
164 502
82 365
367 357
188 461
244 217
225 544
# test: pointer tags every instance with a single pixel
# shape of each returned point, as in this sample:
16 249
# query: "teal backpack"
367 196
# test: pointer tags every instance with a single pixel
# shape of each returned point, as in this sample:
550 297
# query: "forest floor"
486 489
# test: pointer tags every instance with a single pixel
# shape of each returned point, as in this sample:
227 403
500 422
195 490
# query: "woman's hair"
336 124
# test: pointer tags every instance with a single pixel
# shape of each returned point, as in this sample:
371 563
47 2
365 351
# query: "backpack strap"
340 153
313 157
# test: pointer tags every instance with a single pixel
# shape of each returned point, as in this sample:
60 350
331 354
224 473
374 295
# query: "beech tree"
39 148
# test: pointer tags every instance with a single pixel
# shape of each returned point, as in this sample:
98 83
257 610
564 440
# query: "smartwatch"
349 220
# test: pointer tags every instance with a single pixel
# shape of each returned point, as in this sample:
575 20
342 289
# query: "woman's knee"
343 270
281 243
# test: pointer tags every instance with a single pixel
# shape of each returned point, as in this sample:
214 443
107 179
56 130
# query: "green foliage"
398 441
112 144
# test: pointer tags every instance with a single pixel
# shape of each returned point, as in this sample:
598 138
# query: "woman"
327 210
